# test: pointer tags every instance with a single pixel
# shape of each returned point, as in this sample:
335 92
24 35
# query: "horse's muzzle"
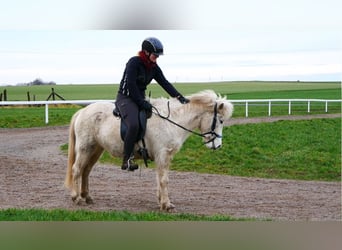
213 144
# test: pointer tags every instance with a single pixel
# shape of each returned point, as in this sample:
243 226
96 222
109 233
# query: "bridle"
212 128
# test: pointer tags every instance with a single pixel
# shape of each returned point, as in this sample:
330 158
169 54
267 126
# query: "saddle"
142 130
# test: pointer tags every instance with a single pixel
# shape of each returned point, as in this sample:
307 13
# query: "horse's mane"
204 99
208 99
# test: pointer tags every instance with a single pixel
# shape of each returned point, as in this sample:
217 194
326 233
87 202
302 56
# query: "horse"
94 129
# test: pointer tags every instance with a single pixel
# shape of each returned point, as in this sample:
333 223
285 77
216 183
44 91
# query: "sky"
90 41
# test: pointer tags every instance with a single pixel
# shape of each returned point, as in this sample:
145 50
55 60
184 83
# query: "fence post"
289 107
326 106
28 97
46 113
246 108
269 108
308 106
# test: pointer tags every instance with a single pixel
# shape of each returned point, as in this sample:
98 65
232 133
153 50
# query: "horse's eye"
221 121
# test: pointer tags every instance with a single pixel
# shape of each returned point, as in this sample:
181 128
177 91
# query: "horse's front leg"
162 185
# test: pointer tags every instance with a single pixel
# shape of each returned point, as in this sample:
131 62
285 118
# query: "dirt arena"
32 171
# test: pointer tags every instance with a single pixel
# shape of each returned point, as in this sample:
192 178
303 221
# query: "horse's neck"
188 118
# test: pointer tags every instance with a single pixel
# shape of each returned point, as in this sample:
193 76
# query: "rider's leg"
129 113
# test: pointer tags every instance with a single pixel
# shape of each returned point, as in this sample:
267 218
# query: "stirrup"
129 165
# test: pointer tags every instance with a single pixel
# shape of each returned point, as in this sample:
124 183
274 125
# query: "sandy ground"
32 171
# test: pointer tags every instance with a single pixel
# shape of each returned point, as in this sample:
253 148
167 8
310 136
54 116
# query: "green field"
234 90
303 150
34 116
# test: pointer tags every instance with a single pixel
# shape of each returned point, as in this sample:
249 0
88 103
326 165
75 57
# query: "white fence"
291 102
246 103
47 103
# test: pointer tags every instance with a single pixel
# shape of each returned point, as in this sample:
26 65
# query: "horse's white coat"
94 129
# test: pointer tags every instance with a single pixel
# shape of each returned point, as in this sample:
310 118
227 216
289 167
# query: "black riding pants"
129 111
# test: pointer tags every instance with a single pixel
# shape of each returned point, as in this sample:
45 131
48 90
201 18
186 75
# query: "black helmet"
153 45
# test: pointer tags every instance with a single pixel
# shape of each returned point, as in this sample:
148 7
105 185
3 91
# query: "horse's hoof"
89 200
170 207
167 207
77 200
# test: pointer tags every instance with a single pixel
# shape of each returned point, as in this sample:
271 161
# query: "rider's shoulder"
135 59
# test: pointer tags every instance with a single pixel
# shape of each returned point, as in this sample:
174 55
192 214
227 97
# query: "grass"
23 117
13 214
331 93
303 150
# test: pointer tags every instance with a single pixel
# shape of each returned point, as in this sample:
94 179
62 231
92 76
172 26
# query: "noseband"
212 129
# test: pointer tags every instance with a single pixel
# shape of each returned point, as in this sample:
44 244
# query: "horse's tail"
71 152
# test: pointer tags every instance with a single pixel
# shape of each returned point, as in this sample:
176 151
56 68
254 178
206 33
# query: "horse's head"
217 111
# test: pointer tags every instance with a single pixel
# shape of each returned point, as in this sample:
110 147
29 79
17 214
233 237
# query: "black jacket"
136 78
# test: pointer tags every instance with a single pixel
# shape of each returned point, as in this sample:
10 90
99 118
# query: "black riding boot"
129 164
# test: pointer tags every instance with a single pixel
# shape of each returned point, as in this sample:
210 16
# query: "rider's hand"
147 106
182 99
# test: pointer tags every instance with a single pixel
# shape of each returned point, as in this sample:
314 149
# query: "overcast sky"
90 41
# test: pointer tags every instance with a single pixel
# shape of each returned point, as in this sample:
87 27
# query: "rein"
211 132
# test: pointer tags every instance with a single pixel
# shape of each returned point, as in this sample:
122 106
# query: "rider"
139 72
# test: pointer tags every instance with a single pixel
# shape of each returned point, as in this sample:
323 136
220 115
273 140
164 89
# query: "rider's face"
153 57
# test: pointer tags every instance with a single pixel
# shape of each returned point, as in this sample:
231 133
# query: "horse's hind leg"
81 163
85 175
77 169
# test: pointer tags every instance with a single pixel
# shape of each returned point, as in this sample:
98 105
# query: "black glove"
148 109
147 106
182 99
